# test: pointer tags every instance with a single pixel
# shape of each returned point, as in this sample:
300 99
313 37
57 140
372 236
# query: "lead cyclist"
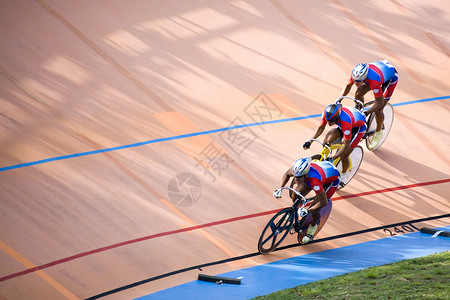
380 77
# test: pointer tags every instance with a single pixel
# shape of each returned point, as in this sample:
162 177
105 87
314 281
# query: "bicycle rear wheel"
388 111
306 221
355 158
276 230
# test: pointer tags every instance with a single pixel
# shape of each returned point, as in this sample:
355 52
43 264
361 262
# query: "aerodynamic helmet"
301 166
359 72
332 112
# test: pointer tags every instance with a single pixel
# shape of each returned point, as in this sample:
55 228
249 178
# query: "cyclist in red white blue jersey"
380 77
322 177
351 126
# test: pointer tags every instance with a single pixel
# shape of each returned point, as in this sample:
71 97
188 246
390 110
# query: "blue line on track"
182 136
421 101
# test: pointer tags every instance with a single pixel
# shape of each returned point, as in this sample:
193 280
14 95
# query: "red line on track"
392 189
149 237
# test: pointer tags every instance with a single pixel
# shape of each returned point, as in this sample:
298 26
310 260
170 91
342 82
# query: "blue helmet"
359 72
332 112
301 166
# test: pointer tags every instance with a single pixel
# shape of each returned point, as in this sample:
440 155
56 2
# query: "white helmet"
301 166
359 72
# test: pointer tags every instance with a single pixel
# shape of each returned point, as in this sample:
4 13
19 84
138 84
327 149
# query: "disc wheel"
387 125
324 213
355 158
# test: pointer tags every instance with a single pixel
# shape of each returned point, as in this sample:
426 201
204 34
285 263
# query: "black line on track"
198 267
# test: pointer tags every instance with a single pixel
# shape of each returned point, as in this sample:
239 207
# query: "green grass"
420 278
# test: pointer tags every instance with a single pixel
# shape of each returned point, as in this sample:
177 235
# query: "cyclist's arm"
347 89
361 91
286 177
304 190
319 130
379 103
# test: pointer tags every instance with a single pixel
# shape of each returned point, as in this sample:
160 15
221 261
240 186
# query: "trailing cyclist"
322 177
351 125
380 77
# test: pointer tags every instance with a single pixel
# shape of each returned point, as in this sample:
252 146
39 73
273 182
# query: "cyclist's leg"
315 218
316 223
344 157
345 160
357 135
331 188
303 189
333 135
388 89
320 201
379 116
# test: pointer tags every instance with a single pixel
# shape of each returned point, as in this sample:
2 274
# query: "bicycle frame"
327 150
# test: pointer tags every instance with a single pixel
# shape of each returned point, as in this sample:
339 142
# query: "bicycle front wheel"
355 158
276 230
388 111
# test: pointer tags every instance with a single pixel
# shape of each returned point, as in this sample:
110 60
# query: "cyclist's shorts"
330 188
357 135
389 86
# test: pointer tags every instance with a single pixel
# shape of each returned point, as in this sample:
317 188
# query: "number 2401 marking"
401 230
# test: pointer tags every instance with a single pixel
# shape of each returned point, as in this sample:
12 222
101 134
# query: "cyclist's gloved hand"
302 212
277 193
330 159
306 145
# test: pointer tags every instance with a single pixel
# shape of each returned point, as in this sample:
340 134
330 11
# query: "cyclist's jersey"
379 73
348 119
321 173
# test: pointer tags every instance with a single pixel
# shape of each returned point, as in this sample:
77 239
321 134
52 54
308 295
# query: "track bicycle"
355 159
371 121
357 154
286 221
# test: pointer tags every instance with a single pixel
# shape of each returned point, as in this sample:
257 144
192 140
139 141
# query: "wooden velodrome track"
104 181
